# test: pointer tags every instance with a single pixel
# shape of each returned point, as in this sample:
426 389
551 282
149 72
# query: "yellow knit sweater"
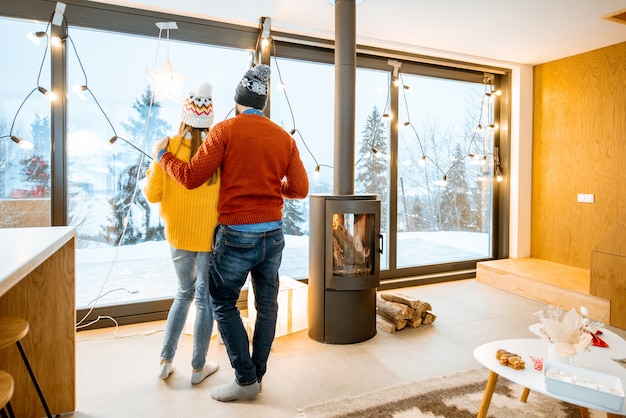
190 216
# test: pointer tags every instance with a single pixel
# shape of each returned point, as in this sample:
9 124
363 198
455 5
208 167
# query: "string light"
25 145
50 95
484 130
114 139
35 37
58 40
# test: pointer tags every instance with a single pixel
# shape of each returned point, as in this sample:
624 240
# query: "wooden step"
551 283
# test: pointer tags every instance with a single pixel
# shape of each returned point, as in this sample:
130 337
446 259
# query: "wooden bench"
545 281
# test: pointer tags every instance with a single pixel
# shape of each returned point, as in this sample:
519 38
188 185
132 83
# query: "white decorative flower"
567 332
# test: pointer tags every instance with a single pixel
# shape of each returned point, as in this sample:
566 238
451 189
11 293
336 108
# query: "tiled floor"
117 374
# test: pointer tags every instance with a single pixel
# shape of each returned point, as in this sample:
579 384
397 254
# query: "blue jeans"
235 254
192 270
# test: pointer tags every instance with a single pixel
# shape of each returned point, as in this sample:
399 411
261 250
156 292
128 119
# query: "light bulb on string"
316 173
79 89
113 140
442 182
35 37
58 40
50 95
25 145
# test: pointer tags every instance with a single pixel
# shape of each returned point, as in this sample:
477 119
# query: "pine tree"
455 205
292 217
371 166
128 199
40 131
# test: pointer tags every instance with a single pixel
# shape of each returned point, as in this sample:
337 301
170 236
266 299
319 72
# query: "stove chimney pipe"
345 96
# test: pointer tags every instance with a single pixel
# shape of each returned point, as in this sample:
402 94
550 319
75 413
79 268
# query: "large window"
121 252
24 116
297 87
443 221
413 127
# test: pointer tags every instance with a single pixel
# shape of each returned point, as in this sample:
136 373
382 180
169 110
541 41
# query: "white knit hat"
197 109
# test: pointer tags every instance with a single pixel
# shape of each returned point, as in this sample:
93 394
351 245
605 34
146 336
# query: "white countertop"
23 249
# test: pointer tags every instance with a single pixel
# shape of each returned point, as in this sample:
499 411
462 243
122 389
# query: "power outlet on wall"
585 198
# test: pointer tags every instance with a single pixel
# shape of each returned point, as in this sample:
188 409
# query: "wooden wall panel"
579 146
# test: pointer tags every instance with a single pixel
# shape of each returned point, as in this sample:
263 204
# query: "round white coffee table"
531 379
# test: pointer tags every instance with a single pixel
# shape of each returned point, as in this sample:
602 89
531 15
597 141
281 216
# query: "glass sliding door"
309 115
372 163
121 253
445 166
25 167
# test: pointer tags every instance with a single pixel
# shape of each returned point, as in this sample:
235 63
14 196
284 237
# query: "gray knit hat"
252 89
197 110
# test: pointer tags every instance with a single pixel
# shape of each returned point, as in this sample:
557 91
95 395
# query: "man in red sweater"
260 165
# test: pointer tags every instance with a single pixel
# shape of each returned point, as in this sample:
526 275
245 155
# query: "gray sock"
209 368
233 391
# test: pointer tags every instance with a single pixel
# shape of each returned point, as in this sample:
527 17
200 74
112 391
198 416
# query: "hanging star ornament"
167 82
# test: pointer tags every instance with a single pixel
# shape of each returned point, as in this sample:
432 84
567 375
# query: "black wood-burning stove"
344 267
344 240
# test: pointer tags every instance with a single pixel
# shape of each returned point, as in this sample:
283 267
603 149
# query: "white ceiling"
514 31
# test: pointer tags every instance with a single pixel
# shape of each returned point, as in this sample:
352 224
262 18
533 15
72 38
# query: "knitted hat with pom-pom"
197 110
252 89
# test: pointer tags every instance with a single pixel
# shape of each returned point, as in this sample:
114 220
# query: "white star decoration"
167 82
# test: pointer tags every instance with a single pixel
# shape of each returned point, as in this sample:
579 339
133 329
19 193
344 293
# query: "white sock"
209 368
233 391
165 370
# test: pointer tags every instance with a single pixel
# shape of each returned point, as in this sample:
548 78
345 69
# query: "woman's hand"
158 146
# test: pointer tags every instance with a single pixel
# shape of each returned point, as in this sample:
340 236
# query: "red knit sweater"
260 165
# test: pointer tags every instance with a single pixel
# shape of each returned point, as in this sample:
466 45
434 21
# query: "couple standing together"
221 194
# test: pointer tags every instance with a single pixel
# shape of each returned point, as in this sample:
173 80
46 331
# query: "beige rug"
452 396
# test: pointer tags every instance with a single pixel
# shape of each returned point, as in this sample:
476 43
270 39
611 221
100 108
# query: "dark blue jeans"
235 254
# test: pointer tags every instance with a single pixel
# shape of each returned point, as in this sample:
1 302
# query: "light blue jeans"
192 271
235 254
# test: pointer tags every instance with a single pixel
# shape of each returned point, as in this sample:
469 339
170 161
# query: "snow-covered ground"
144 271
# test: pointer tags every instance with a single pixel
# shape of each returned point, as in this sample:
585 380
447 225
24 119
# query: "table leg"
584 412
610 415
484 403
525 394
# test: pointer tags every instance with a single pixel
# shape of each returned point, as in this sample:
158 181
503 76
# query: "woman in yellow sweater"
190 216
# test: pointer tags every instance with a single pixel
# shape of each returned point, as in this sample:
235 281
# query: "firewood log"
428 318
385 324
416 316
414 324
396 297
346 242
424 306
394 310
401 324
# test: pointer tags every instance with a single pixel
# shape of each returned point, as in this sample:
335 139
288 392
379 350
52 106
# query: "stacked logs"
395 312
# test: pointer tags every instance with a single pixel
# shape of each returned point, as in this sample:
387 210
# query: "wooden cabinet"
37 283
